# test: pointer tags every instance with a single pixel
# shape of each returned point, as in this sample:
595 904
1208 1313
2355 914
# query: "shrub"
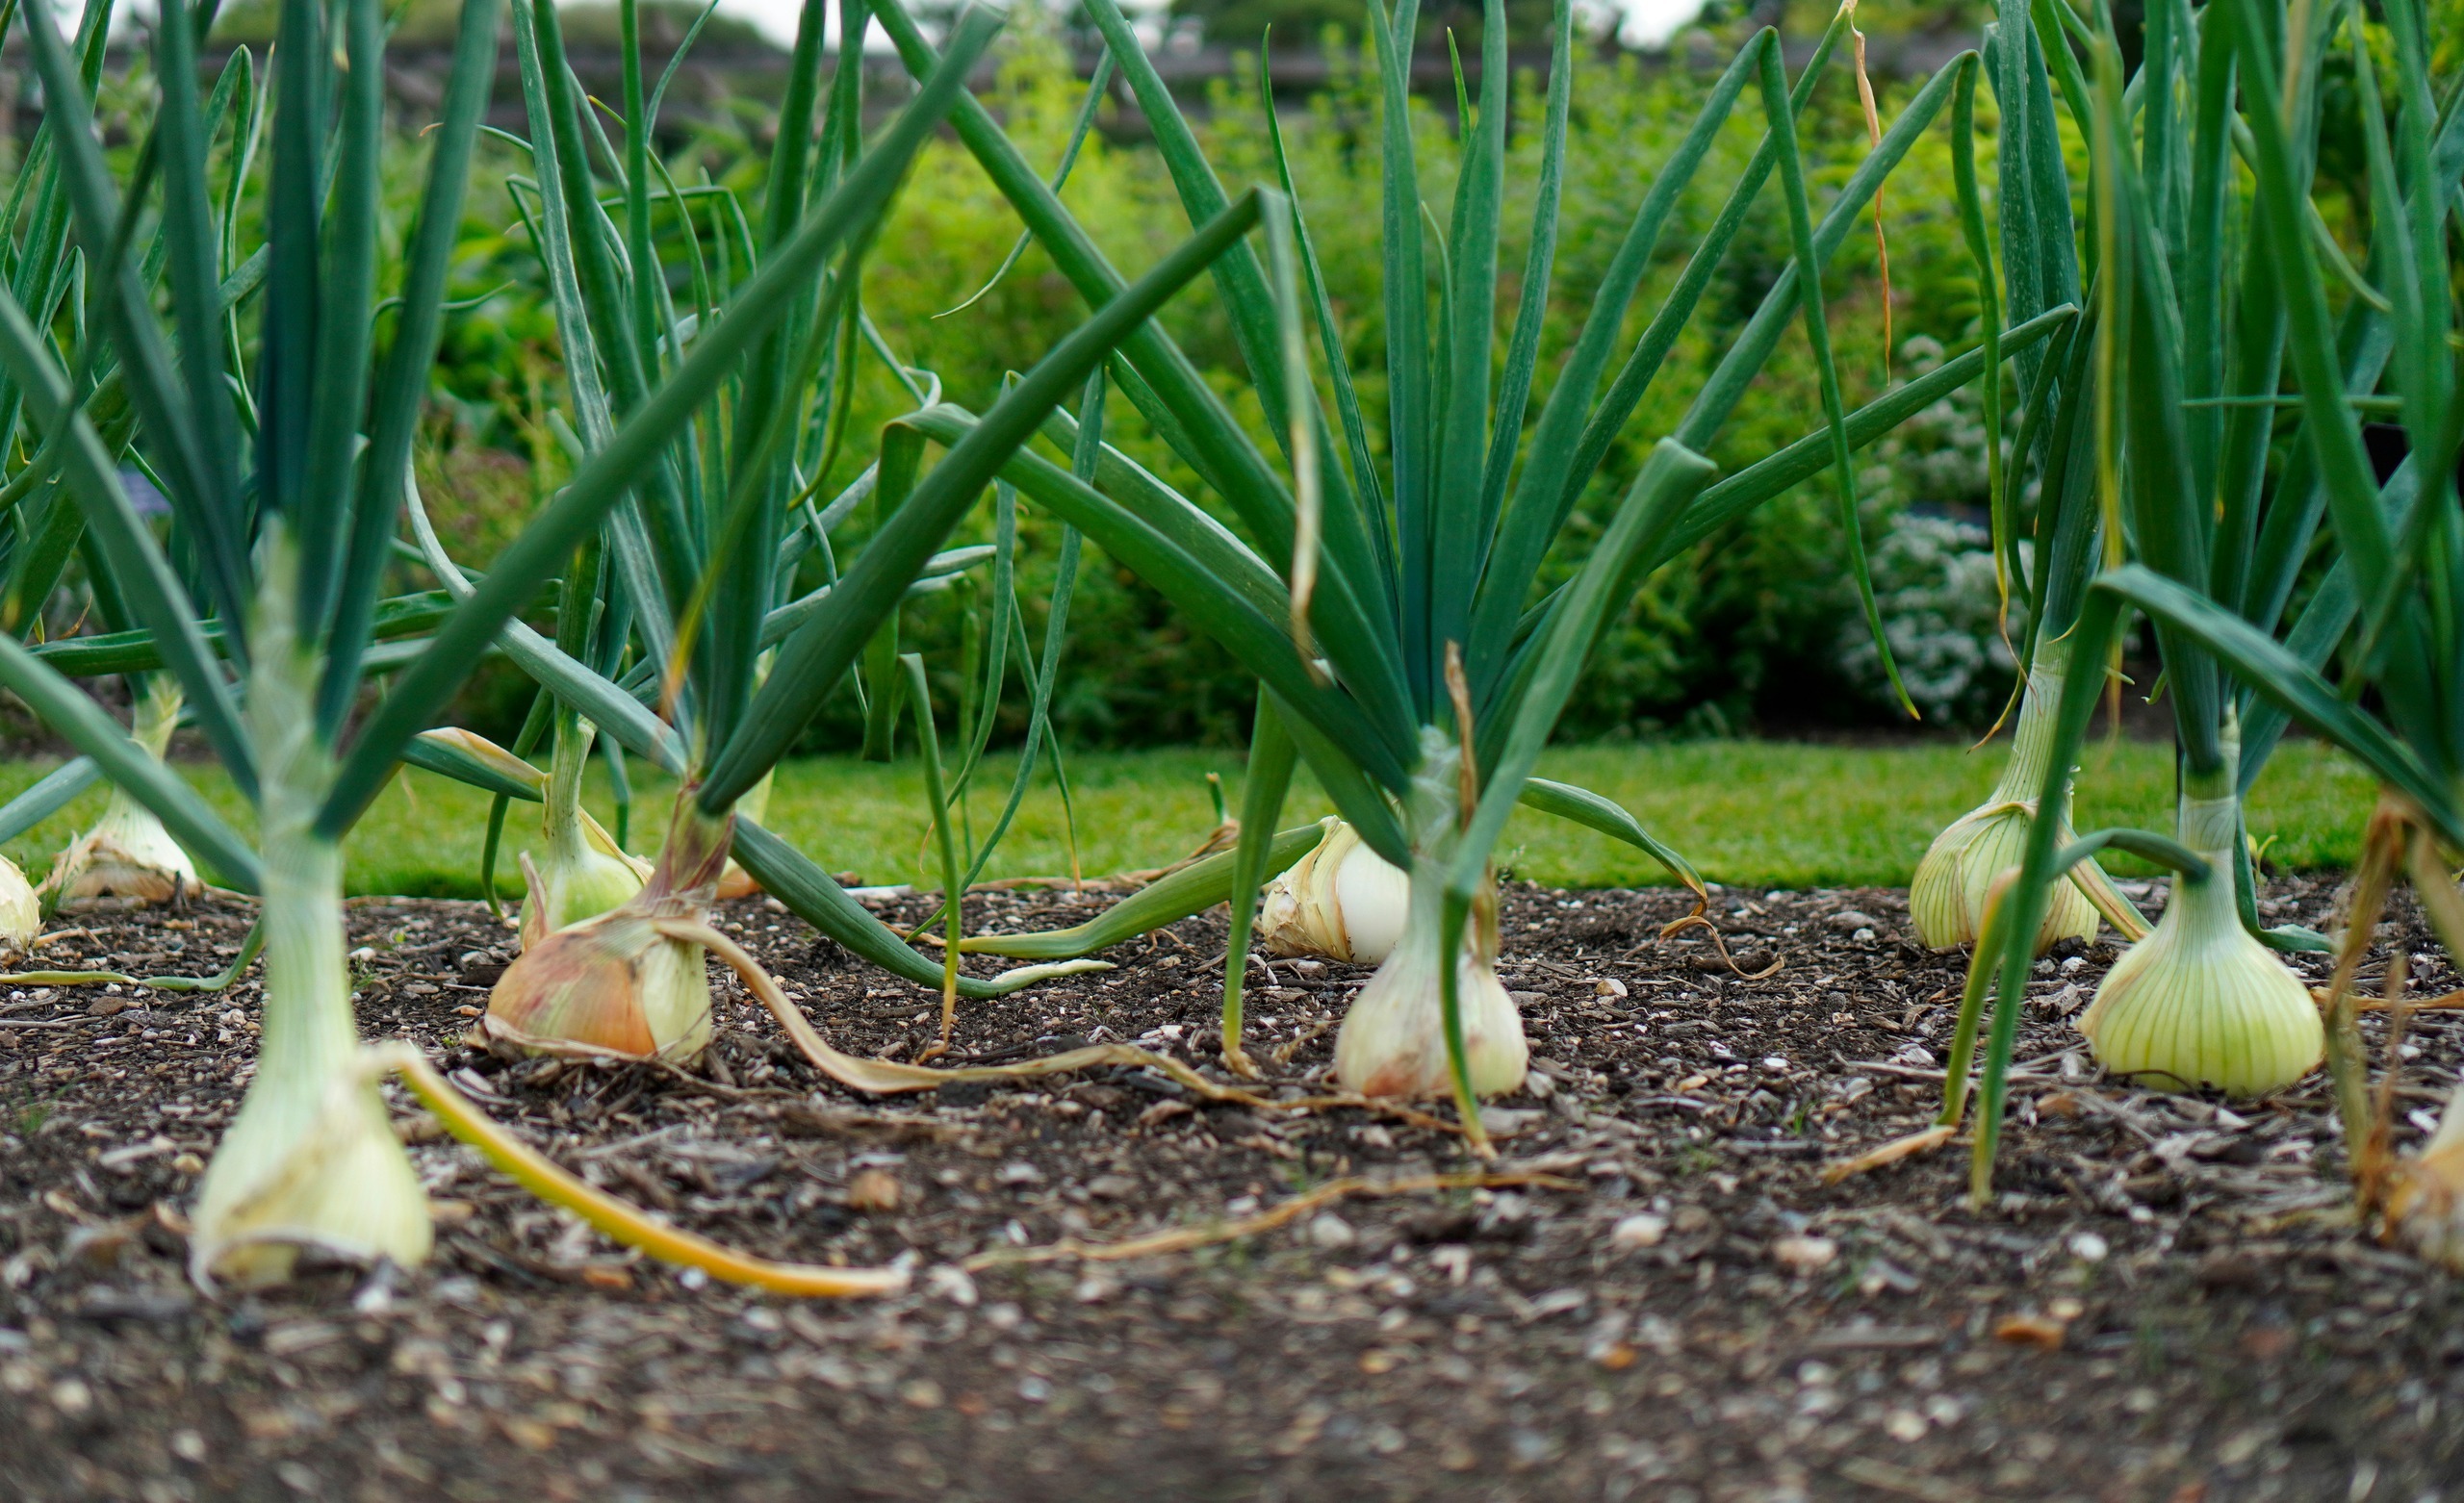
1723 640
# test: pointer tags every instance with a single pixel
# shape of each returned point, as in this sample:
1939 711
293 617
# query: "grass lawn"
1747 813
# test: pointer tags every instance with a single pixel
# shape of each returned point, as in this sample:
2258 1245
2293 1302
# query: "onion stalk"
739 696
2211 305
297 556
581 871
311 1159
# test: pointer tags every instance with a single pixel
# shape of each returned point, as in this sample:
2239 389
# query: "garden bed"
2168 1303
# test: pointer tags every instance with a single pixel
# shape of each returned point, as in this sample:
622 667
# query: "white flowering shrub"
1932 569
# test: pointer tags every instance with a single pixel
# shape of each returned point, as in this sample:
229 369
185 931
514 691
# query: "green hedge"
1747 631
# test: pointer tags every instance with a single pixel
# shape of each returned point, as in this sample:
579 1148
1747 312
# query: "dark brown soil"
2168 1303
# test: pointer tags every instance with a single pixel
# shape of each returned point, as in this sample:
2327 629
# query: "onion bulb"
1341 900
128 854
613 986
2424 1194
1946 899
20 909
2201 1002
1393 1039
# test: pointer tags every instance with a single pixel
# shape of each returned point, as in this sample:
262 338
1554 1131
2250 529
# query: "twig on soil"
1719 942
1283 1053
1890 1153
1883 1477
1535 963
1181 1239
885 1077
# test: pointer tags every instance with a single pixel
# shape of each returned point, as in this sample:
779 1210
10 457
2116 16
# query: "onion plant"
737 685
2190 389
2055 446
1388 607
289 536
128 852
713 517
42 532
619 332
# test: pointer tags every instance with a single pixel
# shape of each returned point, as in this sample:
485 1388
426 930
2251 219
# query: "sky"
1647 23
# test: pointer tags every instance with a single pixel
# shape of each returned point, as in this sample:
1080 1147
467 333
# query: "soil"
2168 1301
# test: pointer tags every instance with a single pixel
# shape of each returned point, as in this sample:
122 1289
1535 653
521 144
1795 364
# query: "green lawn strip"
1747 813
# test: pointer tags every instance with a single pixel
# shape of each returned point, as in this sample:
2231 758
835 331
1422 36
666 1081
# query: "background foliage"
1746 632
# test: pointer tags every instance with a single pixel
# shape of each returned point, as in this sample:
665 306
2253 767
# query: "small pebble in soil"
873 1190
1331 1232
1638 1230
1804 1254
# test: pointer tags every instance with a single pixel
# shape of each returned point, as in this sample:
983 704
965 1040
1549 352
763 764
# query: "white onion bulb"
2200 1002
1947 898
1341 900
1392 1040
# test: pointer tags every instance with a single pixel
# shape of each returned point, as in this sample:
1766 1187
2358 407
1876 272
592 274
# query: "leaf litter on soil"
2169 1300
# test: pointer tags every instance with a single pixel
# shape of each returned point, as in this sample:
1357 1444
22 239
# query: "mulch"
2167 1300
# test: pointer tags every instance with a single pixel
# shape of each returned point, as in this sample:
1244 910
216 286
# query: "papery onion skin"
1947 898
610 986
128 854
2200 1003
614 986
2424 1194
